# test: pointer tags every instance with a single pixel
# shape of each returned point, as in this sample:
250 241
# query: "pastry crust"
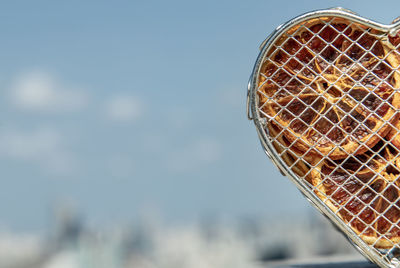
364 192
330 94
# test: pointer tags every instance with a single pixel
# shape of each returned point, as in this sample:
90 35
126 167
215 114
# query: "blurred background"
124 140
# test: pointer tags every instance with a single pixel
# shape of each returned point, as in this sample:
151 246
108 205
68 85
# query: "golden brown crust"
330 91
364 192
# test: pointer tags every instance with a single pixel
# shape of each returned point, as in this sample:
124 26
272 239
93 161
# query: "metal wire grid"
295 160
285 128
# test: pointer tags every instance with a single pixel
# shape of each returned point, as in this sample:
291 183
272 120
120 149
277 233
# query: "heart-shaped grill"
324 95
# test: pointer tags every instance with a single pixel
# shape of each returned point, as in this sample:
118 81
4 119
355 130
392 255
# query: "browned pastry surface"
329 94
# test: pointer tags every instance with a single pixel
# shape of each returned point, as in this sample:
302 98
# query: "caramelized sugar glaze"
329 91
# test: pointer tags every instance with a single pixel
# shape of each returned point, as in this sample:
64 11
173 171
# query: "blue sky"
130 108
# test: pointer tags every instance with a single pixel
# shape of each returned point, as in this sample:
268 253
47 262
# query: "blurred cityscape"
210 243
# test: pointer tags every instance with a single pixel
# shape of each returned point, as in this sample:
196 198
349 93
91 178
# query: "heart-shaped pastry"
324 96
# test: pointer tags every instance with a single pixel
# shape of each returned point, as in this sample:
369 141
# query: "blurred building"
211 243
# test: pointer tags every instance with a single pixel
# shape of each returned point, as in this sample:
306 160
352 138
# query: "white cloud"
124 108
201 152
43 147
39 91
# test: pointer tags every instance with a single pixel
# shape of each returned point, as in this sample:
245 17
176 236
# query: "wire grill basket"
324 96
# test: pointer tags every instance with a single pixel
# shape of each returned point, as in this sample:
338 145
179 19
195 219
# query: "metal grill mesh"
327 96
